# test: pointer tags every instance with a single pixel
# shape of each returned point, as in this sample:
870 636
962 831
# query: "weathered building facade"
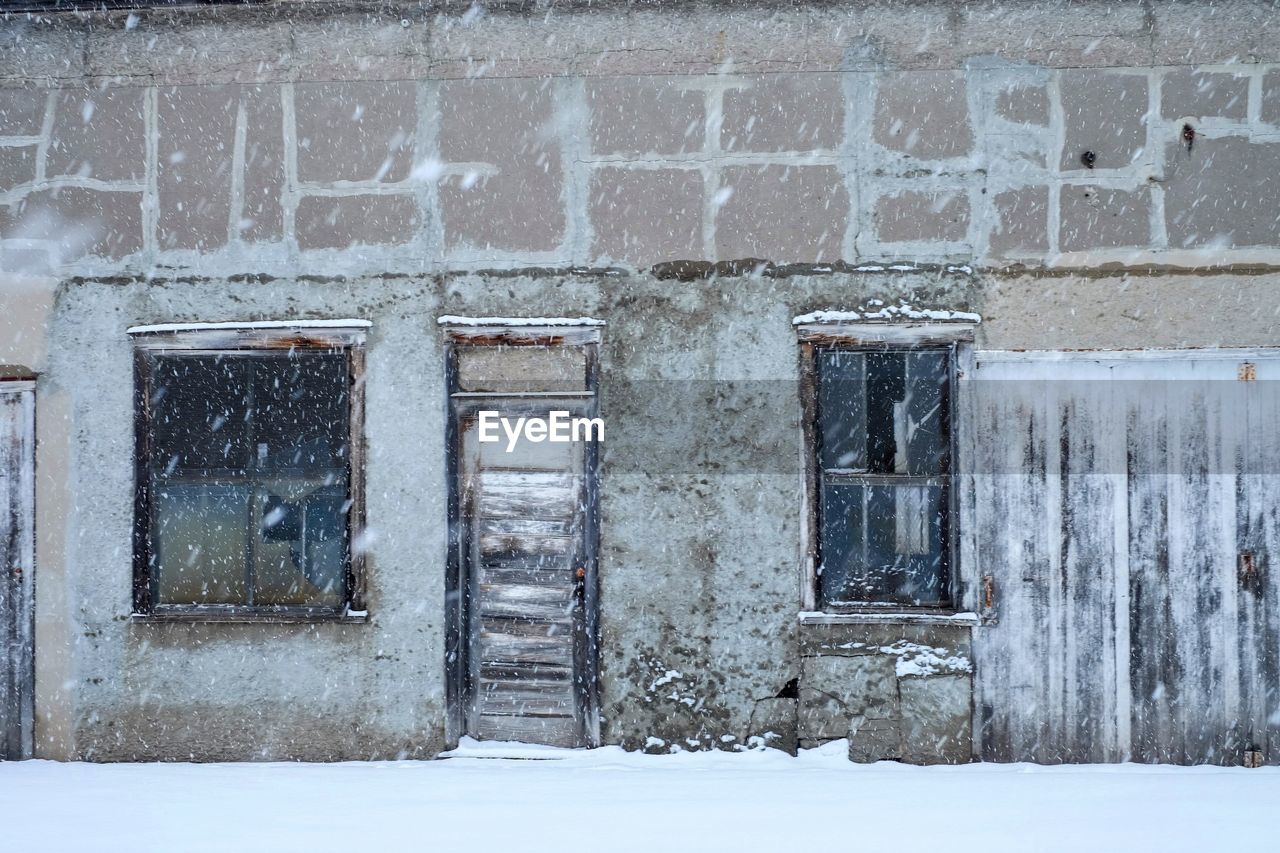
934 345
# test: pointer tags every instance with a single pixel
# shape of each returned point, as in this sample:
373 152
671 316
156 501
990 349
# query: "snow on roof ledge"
455 320
889 312
261 324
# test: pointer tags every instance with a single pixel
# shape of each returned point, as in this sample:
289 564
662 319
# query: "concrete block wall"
992 165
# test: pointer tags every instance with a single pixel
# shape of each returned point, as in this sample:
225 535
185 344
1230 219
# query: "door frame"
459 686
22 585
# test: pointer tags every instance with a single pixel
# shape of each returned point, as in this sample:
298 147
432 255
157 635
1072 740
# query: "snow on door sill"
469 747
816 617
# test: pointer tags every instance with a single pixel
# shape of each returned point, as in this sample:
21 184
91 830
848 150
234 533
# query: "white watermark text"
556 427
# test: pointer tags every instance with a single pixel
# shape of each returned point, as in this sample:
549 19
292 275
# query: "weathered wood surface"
521 369
525 520
1112 499
525 495
1258 603
17 496
549 730
500 545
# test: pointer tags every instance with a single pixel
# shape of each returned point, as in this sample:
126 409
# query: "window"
880 472
248 470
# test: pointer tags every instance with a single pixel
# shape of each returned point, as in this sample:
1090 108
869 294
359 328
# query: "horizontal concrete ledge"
456 320
251 324
400 39
192 617
818 618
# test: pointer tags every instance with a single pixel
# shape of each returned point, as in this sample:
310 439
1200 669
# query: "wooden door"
525 528
1124 507
17 497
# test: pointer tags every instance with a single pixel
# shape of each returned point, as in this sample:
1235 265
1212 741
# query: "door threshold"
469 747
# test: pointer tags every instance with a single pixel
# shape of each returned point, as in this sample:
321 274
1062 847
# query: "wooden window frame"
230 339
13 6
20 573
817 336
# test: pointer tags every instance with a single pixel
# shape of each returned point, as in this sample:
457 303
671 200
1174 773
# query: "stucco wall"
394 165
701 552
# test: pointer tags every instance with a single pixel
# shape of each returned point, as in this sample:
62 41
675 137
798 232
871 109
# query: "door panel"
522 577
1125 507
524 518
17 497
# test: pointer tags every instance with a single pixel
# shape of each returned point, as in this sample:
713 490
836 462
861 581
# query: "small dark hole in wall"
1088 158
790 690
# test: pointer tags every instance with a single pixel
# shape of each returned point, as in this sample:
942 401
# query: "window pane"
842 417
200 537
885 391
199 413
300 556
924 429
883 543
884 412
300 416
250 478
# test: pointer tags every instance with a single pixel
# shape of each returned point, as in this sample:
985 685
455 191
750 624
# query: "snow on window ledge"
260 324
881 312
247 615
816 617
456 320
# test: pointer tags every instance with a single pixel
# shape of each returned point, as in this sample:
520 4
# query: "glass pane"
883 543
884 412
268 432
300 557
842 417
300 416
885 390
199 413
200 541
925 429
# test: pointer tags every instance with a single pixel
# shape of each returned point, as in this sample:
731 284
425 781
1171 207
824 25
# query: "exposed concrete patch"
774 723
835 689
872 740
936 720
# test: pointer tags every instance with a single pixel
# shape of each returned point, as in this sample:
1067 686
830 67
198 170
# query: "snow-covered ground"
608 800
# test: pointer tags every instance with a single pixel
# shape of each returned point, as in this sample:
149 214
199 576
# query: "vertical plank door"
1125 506
525 511
522 582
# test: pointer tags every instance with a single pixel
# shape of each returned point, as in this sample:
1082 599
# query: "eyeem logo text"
558 427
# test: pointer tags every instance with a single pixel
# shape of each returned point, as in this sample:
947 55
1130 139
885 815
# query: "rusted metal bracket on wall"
989 600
